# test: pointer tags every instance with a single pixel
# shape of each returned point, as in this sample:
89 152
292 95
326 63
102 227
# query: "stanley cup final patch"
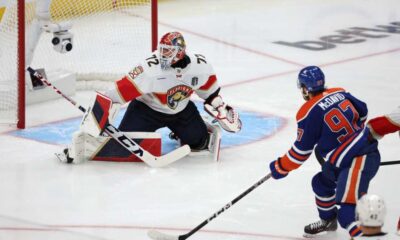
195 81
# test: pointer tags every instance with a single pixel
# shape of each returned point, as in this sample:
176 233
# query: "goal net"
108 37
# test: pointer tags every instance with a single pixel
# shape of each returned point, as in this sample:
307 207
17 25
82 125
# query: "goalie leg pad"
113 113
85 147
213 143
97 115
107 149
215 140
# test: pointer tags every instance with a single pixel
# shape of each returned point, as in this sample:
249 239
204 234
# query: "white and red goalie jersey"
167 91
390 123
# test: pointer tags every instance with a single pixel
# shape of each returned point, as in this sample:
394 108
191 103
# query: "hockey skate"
319 227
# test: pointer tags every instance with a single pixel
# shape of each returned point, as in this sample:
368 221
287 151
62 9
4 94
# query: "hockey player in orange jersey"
334 120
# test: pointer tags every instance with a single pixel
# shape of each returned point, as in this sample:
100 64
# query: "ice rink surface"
41 198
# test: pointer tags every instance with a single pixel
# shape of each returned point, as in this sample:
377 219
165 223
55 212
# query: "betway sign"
346 36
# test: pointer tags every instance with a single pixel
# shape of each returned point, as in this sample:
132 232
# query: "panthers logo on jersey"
177 94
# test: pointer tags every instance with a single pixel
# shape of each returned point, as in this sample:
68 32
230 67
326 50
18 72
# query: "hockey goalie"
158 91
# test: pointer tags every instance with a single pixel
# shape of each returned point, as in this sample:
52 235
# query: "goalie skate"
63 156
319 227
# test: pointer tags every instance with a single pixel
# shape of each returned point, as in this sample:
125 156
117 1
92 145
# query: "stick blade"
156 235
171 157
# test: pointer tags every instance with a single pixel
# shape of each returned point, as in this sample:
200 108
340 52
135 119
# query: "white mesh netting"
110 37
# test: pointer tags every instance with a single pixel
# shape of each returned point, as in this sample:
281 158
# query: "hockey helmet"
371 210
172 49
312 78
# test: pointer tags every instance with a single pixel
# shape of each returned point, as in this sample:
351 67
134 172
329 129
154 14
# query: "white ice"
41 198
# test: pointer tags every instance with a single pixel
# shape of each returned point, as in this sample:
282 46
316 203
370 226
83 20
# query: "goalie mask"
172 49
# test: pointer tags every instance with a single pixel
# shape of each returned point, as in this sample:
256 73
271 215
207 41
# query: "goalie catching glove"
226 116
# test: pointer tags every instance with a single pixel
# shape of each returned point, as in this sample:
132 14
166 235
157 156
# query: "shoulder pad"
309 105
200 62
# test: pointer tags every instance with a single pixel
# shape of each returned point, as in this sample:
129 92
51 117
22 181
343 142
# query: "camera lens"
68 47
55 41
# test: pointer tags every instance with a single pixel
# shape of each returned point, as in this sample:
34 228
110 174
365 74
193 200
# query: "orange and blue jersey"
333 119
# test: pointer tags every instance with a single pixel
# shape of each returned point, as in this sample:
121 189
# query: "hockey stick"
318 155
321 160
389 163
156 235
122 139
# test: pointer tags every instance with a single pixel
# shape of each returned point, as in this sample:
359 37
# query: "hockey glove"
277 171
226 116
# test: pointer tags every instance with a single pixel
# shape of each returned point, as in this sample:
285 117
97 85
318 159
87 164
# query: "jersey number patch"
200 58
153 60
337 120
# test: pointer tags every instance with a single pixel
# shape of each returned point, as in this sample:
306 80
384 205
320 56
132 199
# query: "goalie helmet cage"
109 38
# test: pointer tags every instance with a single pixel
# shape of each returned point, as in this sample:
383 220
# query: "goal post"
98 41
21 67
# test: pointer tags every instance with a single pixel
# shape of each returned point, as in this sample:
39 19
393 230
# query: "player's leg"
189 127
97 116
141 118
324 185
138 118
353 182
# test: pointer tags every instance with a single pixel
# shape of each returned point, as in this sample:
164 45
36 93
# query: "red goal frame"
21 69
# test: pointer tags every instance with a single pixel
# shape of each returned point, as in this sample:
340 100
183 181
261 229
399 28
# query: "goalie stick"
121 138
156 235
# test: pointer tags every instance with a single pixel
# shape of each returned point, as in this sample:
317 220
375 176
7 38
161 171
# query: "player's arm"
137 82
382 125
214 105
360 106
302 148
226 115
105 106
129 87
